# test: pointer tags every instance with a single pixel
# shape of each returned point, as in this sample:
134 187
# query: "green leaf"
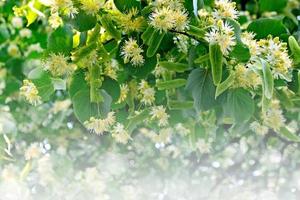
109 26
83 22
272 5
42 80
216 57
144 70
180 105
80 96
241 52
222 87
84 109
267 26
61 40
267 79
124 5
154 43
239 105
133 122
200 84
295 49
176 67
112 87
77 83
285 133
166 85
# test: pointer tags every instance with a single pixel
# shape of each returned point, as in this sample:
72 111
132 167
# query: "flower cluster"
57 65
166 18
30 92
245 77
91 7
225 9
159 113
132 53
146 93
100 126
120 134
131 21
222 33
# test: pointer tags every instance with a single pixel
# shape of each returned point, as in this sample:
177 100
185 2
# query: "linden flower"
180 18
99 126
159 113
91 6
55 20
225 9
120 134
181 130
203 146
130 21
162 19
123 93
222 33
276 54
131 52
259 128
147 93
111 69
248 39
33 151
273 117
245 77
59 106
58 65
30 92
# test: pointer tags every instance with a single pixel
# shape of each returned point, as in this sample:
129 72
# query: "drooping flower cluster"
64 7
120 134
225 9
57 65
276 54
132 53
30 92
166 17
131 21
245 77
91 7
123 93
146 93
100 126
221 33
274 117
159 113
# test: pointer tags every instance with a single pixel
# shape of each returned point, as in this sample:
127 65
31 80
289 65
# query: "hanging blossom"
159 113
274 117
120 134
203 146
146 93
245 77
91 7
123 93
111 69
30 92
131 21
225 9
258 128
99 126
57 65
165 19
276 54
221 33
132 53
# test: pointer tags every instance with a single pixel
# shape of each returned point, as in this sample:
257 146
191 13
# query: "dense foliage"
201 87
